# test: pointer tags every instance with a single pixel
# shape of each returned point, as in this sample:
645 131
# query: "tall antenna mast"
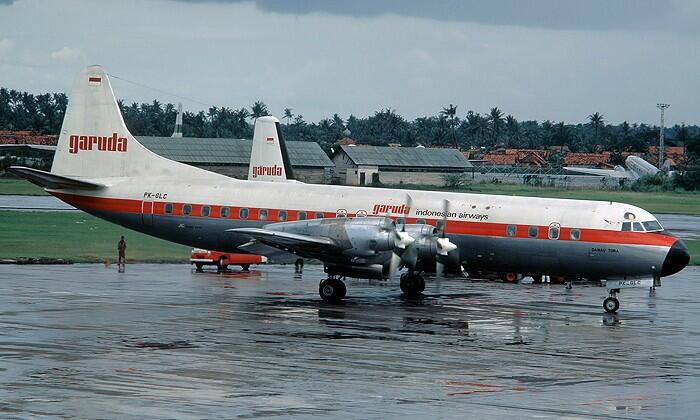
178 122
662 107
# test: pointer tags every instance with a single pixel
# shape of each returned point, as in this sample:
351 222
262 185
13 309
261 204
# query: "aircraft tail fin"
94 141
269 159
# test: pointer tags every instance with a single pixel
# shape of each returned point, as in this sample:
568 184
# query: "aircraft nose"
677 259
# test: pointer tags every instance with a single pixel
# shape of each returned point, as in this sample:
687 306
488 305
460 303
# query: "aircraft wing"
304 245
602 172
42 147
274 255
48 180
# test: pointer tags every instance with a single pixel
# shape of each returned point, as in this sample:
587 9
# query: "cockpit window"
637 227
652 226
626 226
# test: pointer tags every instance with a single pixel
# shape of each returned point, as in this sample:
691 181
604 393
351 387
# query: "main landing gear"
332 289
412 284
611 304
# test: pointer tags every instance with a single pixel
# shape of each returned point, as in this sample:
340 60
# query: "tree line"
44 114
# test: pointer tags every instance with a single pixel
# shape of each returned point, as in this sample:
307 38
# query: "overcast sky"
539 59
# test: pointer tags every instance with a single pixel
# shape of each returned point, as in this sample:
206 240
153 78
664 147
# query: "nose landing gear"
611 304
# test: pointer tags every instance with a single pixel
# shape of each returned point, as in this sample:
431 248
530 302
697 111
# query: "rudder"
269 160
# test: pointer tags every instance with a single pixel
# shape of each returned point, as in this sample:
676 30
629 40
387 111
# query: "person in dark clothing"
122 250
299 265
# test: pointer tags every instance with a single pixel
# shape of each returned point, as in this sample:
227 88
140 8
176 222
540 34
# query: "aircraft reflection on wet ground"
161 341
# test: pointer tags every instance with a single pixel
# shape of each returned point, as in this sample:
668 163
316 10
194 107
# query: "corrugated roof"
221 151
406 156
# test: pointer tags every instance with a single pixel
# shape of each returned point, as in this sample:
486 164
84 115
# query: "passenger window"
318 215
420 221
553 232
341 213
224 212
439 224
627 226
637 227
187 209
206 210
574 234
243 213
282 215
301 215
400 220
511 230
532 231
262 214
168 208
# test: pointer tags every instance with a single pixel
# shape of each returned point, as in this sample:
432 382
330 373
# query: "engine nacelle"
370 271
357 237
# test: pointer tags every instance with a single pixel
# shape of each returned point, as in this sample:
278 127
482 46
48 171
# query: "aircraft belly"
566 258
206 233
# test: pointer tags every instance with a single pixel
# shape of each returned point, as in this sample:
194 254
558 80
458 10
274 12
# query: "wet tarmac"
161 341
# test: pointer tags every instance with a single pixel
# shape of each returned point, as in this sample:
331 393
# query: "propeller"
402 240
443 244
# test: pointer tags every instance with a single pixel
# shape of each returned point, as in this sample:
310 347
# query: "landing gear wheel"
509 277
245 267
221 265
611 305
199 267
332 290
412 284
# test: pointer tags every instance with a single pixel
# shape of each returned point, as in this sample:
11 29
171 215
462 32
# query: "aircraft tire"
412 284
221 265
509 277
245 267
332 290
611 305
198 267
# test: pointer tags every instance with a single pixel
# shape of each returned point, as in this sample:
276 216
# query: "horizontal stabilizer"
298 244
48 180
41 147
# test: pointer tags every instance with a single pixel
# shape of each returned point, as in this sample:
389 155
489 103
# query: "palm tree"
450 112
495 121
596 121
288 114
259 109
513 131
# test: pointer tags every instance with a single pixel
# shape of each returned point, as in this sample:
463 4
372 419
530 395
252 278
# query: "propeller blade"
439 269
445 212
394 264
409 257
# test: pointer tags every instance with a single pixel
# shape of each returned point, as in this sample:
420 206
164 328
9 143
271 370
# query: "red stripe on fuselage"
457 227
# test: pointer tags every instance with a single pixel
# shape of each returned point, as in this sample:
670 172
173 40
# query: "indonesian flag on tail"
94 80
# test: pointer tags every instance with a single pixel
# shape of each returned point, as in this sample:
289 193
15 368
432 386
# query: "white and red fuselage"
495 233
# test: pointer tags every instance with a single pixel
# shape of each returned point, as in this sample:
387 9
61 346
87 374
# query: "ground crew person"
122 251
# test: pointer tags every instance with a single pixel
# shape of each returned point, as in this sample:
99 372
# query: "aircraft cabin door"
147 213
